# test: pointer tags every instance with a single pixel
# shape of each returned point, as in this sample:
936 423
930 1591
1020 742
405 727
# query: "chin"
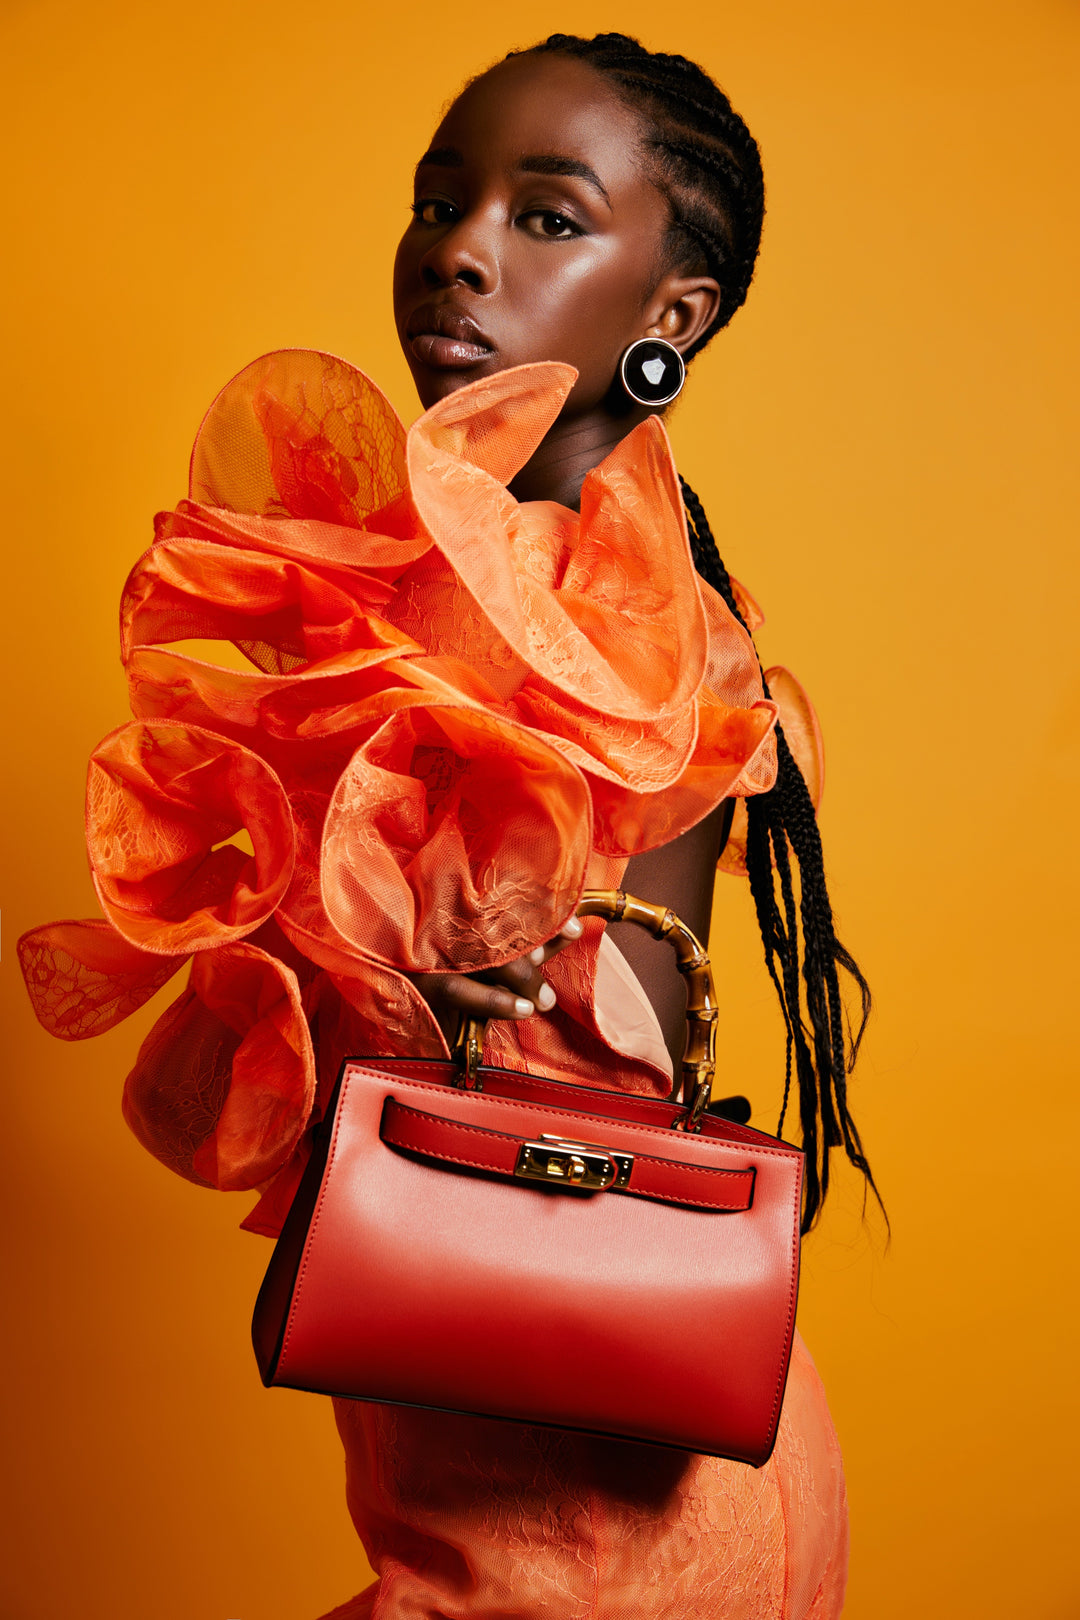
431 385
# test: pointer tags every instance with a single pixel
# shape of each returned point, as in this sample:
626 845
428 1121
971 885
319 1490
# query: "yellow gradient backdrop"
884 443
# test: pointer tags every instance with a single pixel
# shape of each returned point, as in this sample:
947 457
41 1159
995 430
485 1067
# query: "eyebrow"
448 157
549 163
442 157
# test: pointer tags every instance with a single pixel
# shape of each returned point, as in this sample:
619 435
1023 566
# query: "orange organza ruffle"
797 716
162 802
228 1125
459 708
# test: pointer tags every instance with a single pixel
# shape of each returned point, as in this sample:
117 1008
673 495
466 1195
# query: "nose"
464 255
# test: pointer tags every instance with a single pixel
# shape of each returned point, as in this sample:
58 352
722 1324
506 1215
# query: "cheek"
593 307
406 272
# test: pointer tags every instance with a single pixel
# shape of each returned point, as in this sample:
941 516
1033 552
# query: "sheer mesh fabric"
175 1095
324 449
163 801
226 1078
803 732
83 977
458 706
460 710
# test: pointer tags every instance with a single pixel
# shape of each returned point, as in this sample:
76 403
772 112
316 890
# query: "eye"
434 211
548 223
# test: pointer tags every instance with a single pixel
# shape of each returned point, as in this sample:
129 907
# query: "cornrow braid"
782 828
703 159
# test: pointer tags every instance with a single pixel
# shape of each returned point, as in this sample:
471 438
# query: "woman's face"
535 235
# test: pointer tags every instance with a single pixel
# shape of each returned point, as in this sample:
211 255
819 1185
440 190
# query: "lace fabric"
459 711
470 1519
467 1518
458 707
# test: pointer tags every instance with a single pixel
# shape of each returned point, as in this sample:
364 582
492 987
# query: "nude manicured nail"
546 999
537 956
523 1008
571 929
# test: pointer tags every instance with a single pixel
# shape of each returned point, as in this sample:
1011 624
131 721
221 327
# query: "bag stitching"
541 1108
316 1217
651 1158
790 1154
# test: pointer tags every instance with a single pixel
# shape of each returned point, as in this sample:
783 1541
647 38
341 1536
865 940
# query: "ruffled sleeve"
798 717
458 709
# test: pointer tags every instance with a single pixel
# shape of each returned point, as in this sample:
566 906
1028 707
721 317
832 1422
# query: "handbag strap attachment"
560 1163
699 1057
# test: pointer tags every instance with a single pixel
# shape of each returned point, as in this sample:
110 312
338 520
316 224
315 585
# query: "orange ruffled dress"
459 711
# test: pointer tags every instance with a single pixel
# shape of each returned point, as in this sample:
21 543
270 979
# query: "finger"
519 975
480 1000
524 980
569 932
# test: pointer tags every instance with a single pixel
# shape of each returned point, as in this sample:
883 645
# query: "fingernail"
546 999
537 956
571 928
523 1008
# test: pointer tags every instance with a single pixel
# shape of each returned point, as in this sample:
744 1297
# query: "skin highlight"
537 235
697 153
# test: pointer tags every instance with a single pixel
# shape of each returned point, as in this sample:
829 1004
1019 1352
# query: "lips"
446 338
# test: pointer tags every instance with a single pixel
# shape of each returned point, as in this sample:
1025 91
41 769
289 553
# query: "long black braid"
782 826
707 164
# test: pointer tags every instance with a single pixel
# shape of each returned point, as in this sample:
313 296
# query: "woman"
576 199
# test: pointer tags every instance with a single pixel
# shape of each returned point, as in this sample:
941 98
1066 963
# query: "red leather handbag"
479 1240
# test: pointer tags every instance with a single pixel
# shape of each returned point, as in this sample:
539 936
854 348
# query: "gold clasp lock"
583 1165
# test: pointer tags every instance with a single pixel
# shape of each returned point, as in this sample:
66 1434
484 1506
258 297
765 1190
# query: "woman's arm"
680 875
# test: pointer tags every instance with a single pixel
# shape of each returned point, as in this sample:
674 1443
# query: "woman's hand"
516 990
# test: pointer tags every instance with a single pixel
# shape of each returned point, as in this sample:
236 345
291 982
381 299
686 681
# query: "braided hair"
706 163
702 158
782 828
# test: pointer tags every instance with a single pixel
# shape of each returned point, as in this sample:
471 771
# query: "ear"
681 308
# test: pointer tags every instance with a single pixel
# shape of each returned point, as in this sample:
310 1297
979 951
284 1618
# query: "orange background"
883 443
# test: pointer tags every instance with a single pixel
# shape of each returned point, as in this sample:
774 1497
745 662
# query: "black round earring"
652 371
